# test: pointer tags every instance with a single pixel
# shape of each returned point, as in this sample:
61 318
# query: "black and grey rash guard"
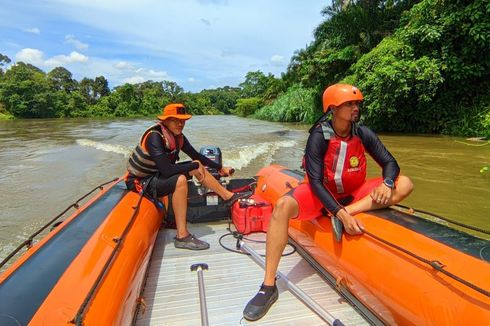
316 148
168 168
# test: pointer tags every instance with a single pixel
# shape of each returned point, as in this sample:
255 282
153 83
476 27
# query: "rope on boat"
28 242
437 265
470 227
78 320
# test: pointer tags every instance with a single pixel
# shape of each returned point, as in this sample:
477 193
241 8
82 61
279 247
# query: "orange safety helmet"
338 94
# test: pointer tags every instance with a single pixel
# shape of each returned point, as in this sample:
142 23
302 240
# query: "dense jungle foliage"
423 66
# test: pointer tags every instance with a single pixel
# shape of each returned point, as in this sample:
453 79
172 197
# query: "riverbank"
266 115
7 116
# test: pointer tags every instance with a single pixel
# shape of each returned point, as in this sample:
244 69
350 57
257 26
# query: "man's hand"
382 194
226 171
352 225
199 173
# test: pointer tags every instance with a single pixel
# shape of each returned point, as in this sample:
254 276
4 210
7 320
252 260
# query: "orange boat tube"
405 269
89 270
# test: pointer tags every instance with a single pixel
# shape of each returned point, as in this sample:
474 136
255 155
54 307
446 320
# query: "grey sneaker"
190 242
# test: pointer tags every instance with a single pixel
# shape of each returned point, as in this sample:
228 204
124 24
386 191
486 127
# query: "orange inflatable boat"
89 269
405 269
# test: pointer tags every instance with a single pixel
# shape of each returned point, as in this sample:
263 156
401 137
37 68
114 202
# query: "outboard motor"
214 154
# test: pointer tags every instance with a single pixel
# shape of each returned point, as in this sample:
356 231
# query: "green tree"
221 100
86 88
100 87
398 87
197 103
60 79
255 84
61 86
351 29
433 75
152 97
93 90
173 91
247 106
4 60
77 106
25 92
275 87
125 101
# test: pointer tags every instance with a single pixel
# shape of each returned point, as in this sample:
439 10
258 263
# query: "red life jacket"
344 162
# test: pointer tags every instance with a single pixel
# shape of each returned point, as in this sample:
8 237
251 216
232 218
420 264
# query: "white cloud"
36 57
158 74
61 60
134 80
132 75
71 39
32 56
118 72
33 30
191 79
181 44
123 65
277 60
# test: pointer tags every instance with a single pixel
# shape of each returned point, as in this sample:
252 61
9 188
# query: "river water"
48 164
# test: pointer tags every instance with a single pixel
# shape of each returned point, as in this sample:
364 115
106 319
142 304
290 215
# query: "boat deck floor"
172 292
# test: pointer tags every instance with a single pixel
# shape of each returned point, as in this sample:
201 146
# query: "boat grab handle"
202 295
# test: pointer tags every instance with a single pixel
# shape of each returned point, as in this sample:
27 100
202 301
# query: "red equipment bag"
251 215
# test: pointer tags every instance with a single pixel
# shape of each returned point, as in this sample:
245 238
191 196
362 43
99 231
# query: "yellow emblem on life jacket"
354 162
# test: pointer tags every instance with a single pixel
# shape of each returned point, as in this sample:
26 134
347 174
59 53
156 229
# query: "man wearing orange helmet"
335 181
152 168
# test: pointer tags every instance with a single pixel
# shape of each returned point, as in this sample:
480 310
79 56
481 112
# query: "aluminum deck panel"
172 293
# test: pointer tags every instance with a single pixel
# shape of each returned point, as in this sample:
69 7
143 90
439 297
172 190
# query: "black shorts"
156 185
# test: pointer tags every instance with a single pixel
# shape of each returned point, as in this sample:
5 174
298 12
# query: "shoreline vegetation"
423 67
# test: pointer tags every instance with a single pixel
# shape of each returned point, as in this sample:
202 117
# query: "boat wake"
238 157
242 156
104 147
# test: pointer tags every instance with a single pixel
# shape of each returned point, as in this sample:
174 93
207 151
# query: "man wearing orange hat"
152 168
335 181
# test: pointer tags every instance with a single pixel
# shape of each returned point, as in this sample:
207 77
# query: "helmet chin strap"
324 117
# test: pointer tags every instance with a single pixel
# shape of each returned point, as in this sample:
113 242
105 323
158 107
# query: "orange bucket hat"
174 110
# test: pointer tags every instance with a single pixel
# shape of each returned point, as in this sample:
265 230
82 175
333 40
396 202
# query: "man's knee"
286 207
181 182
405 185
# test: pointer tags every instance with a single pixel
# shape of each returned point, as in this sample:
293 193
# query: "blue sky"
197 43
